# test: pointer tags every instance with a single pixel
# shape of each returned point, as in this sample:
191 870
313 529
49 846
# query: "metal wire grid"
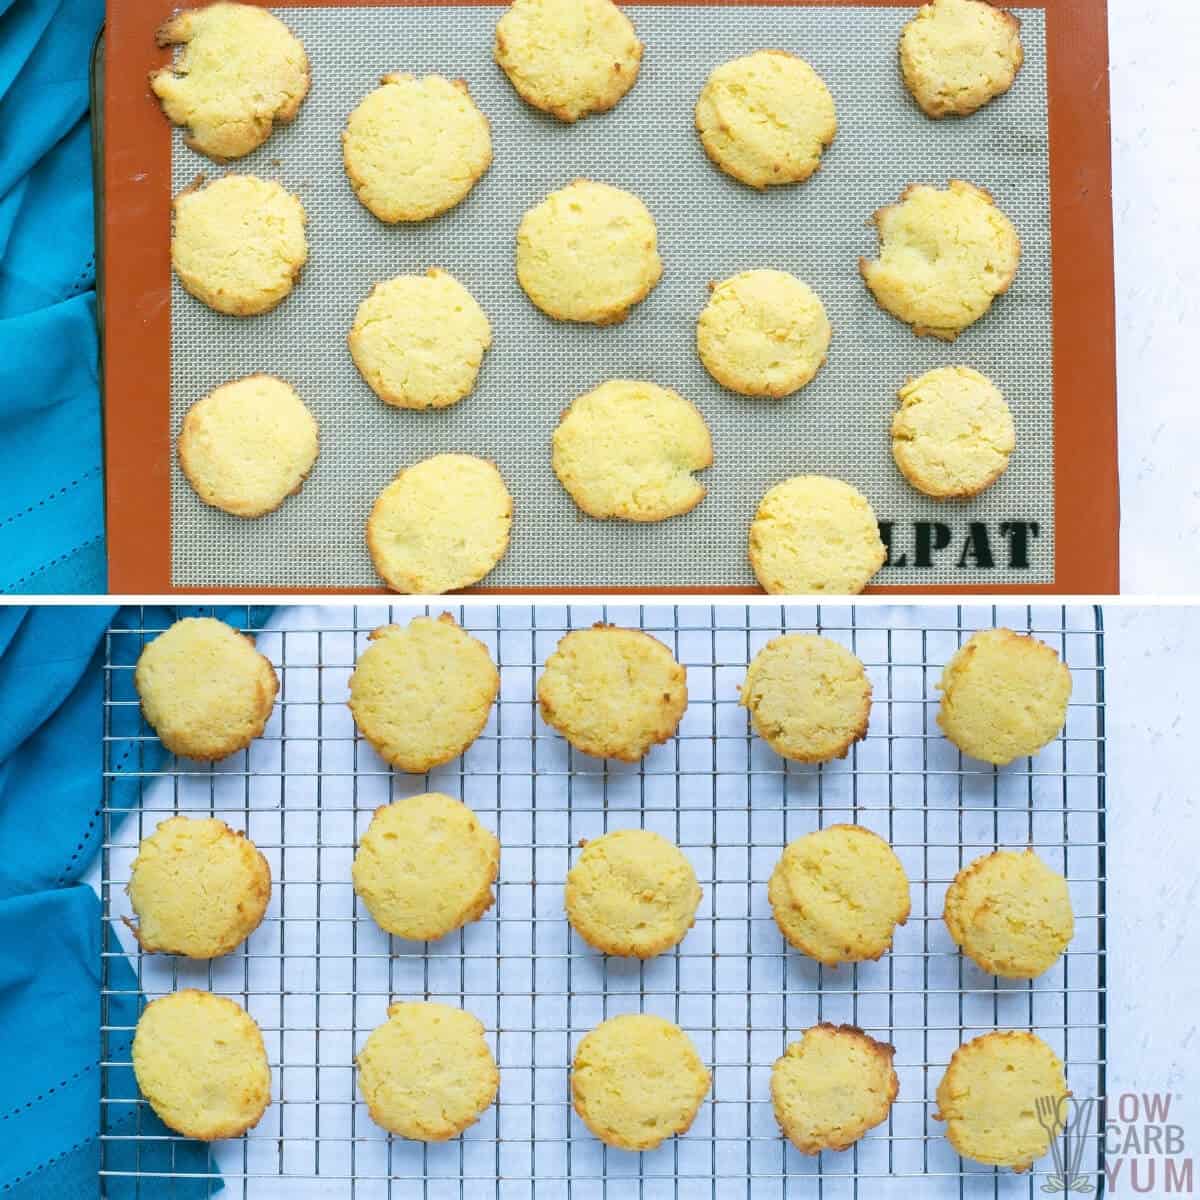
318 975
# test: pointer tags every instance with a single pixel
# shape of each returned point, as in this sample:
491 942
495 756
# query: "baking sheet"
709 227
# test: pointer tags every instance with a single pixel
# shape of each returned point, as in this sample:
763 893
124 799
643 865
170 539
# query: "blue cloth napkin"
51 483
51 826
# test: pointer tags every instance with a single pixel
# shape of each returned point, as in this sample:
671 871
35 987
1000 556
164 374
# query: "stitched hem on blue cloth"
49 499
55 562
62 1083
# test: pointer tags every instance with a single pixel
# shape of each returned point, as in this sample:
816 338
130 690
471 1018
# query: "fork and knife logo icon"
1066 1124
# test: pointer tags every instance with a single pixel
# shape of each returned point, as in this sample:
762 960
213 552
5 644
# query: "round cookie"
766 118
811 881
200 1061
587 253
238 243
815 534
831 1086
612 693
637 1080
426 867
414 148
944 256
421 693
956 55
763 333
632 893
568 57
204 689
953 433
197 888
628 448
240 70
808 696
248 445
988 1098
1011 913
1003 696
427 1072
419 340
441 524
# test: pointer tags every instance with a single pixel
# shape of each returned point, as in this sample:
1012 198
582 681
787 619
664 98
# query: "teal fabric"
51 482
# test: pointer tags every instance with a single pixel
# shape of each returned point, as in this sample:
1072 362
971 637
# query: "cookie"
956 55
632 893
414 148
238 243
766 118
427 1072
587 253
197 888
953 433
1011 913
808 697
568 57
989 1098
421 693
248 445
637 1080
1003 696
441 524
241 70
831 1086
944 256
628 449
200 1061
763 333
204 688
419 340
426 867
811 881
815 534
611 692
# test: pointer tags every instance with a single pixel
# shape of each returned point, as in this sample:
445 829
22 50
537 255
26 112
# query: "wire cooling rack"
318 975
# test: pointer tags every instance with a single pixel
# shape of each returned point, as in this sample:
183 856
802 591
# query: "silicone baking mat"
709 227
318 974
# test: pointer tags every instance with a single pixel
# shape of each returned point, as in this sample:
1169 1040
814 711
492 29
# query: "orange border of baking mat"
137 338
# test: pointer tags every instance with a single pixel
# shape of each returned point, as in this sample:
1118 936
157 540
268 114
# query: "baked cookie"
204 688
628 448
197 888
241 70
637 1080
953 433
763 333
248 445
414 148
815 534
811 881
988 1098
956 55
427 1072
1011 913
426 867
831 1086
632 893
587 253
568 57
200 1061
421 693
944 256
419 340
766 118
808 697
238 243
611 692
1003 696
441 524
